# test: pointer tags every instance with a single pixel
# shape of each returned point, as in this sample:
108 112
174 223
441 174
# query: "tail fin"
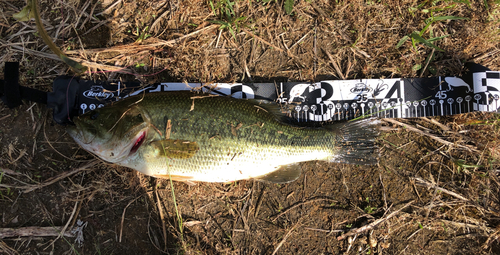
356 142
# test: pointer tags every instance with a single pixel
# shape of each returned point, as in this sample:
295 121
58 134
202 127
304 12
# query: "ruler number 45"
441 94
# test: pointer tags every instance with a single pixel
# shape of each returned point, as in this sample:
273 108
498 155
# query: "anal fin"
284 174
179 178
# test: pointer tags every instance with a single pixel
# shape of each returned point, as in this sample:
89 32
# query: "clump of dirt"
433 192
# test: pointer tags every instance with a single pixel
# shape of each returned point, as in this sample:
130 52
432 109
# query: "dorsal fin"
274 108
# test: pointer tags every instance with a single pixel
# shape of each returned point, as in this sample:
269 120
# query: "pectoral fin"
283 174
179 149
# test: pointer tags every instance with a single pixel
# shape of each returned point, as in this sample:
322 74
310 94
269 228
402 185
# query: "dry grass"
434 191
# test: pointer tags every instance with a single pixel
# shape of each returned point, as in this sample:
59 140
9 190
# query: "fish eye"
138 117
94 116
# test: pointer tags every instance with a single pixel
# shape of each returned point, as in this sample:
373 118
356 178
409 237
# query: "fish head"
113 132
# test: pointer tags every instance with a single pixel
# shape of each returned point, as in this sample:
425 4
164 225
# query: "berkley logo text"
360 88
97 92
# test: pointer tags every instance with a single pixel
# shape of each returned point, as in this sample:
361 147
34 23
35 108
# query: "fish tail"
356 142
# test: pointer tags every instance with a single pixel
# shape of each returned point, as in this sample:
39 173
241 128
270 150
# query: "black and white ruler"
477 90
327 100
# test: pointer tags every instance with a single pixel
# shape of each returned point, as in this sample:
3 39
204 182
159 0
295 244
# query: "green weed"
287 5
142 35
420 225
9 191
487 6
224 10
461 165
370 209
178 215
417 36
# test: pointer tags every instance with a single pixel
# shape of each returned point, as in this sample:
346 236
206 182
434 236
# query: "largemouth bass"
199 137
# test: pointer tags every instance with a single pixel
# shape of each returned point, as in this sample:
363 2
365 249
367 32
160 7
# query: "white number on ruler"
441 94
361 98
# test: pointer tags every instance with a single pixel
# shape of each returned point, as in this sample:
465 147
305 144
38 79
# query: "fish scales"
197 137
261 141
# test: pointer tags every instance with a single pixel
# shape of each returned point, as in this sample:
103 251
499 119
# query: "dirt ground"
435 192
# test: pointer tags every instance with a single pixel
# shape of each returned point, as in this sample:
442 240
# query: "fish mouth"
72 131
77 135
138 142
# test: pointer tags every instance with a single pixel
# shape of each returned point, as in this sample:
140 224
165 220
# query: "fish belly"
232 161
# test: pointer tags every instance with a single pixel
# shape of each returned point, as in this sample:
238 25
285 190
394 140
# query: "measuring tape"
328 100
477 90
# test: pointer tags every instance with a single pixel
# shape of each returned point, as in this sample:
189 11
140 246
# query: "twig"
84 62
29 188
383 190
262 40
351 241
425 183
426 134
468 225
325 230
94 28
259 202
285 237
414 233
9 172
133 47
335 65
4 117
486 55
162 217
32 232
6 249
300 40
427 63
246 70
123 218
315 49
109 8
435 122
157 21
373 224
494 236
302 203
63 230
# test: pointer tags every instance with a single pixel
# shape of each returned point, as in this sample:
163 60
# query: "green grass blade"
403 40
289 6
420 39
179 217
448 18
437 38
426 27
